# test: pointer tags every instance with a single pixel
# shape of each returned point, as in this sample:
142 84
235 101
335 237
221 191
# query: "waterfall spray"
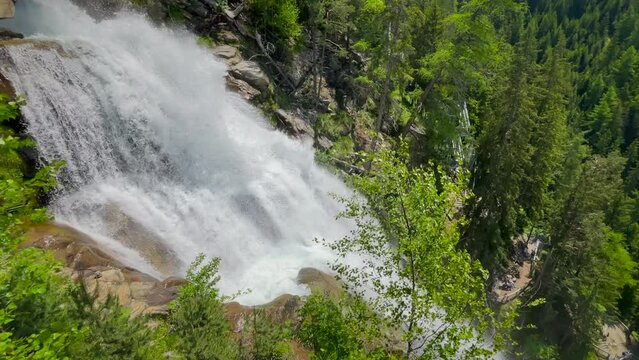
162 161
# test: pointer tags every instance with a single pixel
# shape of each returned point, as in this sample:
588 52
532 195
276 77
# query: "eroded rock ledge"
101 273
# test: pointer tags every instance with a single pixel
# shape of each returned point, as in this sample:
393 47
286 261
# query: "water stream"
162 163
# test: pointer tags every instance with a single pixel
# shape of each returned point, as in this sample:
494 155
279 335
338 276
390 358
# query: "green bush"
343 148
44 315
277 19
265 339
333 125
333 334
109 331
197 316
206 41
535 348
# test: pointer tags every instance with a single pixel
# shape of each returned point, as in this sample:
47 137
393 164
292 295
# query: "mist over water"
162 161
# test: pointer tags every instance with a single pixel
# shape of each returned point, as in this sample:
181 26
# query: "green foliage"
407 234
330 331
519 152
197 316
46 316
18 195
343 148
588 266
332 125
266 339
521 97
535 348
175 14
605 124
276 19
206 41
33 323
109 331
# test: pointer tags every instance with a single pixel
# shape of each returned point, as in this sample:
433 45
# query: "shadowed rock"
7 34
242 88
294 125
251 72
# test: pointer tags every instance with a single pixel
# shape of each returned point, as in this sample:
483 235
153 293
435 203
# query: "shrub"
329 328
267 339
277 19
343 148
109 331
197 316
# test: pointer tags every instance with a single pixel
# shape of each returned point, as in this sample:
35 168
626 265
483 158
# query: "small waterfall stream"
162 163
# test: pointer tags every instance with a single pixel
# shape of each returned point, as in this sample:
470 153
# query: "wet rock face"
136 236
102 274
101 9
321 282
7 34
242 88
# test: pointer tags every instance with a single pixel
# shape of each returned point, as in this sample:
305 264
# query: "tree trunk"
381 108
422 101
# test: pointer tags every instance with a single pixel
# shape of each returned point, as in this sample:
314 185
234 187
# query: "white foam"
142 118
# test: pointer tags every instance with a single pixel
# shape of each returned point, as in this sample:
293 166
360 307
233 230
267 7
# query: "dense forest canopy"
538 100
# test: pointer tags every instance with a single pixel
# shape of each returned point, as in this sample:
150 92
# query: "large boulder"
294 125
251 72
243 88
227 37
7 9
323 143
363 137
229 53
101 273
320 282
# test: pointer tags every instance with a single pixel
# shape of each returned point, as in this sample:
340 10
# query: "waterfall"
162 161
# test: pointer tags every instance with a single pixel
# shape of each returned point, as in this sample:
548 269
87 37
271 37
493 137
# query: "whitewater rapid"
161 160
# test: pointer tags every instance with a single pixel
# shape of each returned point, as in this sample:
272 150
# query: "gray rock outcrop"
228 53
294 125
242 88
251 72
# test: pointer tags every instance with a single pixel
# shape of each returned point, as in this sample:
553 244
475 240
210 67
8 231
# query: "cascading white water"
152 139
